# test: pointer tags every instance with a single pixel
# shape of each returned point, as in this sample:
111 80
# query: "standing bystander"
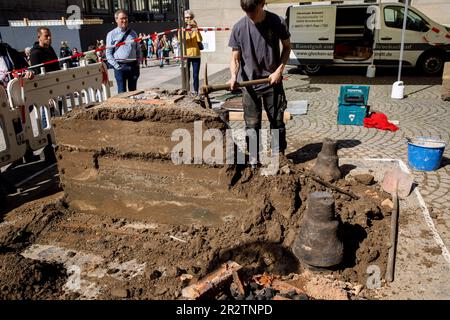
193 39
91 56
150 47
10 60
176 48
144 50
28 55
125 58
42 52
75 62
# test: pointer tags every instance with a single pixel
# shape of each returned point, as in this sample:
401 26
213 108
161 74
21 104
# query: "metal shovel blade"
397 181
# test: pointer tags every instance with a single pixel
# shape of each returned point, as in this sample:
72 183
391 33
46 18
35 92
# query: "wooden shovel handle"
239 85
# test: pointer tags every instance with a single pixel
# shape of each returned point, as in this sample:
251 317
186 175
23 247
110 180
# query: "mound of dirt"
25 279
137 226
177 255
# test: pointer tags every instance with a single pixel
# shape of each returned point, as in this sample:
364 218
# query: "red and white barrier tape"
153 36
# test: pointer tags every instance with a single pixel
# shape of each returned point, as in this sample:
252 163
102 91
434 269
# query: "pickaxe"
207 89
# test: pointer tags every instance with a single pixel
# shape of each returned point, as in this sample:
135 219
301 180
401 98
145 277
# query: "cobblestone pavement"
421 113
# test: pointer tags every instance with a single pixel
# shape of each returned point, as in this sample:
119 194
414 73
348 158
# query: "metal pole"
402 46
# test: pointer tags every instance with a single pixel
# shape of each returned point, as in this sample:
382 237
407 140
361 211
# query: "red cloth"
379 121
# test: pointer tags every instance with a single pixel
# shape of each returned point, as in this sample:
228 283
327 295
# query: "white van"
354 33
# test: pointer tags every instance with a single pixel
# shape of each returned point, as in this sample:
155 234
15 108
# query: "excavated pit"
140 227
116 159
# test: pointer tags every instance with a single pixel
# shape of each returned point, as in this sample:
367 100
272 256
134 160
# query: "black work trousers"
273 100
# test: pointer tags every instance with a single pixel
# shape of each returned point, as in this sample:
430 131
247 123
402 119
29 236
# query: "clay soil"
138 257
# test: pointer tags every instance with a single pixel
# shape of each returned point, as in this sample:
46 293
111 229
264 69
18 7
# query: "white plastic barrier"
32 103
12 134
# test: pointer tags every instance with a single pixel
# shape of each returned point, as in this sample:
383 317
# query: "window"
153 6
393 18
138 5
99 4
168 6
121 4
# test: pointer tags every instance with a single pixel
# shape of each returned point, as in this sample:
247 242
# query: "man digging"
255 41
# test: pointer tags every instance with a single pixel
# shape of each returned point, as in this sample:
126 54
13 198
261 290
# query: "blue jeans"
129 73
160 54
196 70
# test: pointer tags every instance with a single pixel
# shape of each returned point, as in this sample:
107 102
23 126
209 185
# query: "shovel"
398 184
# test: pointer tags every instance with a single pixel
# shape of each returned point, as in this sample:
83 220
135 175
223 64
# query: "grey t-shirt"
259 45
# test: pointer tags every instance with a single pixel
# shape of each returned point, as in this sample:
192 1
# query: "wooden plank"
233 104
213 281
178 98
238 283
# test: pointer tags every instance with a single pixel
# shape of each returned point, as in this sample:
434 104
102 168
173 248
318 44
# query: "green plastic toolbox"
351 114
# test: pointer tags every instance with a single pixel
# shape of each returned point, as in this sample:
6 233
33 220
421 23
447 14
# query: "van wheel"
312 69
432 64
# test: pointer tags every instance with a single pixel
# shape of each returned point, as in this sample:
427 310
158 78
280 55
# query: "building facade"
139 10
438 10
145 16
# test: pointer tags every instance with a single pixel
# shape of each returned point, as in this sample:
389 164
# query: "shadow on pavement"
445 162
311 151
346 169
15 190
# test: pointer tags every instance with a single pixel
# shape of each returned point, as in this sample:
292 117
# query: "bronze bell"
327 164
317 243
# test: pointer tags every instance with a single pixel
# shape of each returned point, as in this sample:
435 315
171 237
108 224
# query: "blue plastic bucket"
425 153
